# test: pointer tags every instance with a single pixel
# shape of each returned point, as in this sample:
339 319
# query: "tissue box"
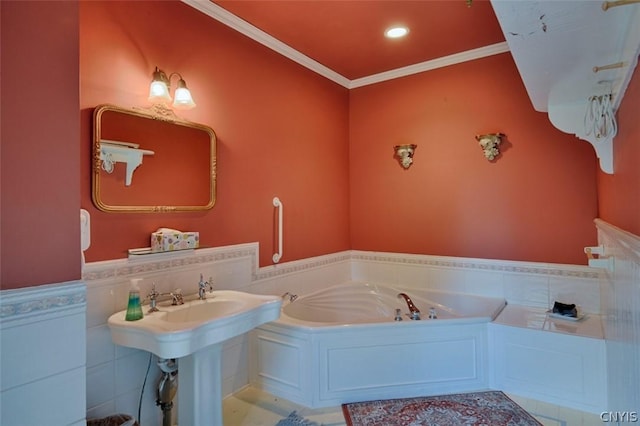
170 241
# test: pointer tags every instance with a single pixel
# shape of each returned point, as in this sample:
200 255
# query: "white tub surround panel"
330 366
43 341
520 283
621 306
411 361
279 363
558 361
561 369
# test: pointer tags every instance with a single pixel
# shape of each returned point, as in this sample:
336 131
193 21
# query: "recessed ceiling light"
396 32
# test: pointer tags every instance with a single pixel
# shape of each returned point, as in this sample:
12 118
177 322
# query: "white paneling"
235 267
484 283
130 371
374 271
235 373
100 348
273 354
54 400
531 290
447 279
582 292
413 276
621 303
59 341
43 341
279 364
100 384
100 302
522 283
352 369
559 369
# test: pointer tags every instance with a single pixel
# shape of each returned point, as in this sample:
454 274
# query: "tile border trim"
122 268
521 267
29 302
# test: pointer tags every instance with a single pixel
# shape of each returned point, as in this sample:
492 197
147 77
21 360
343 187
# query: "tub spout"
414 312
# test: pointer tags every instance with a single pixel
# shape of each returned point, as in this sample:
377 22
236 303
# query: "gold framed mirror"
149 160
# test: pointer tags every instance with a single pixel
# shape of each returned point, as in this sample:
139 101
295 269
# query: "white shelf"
112 152
557 44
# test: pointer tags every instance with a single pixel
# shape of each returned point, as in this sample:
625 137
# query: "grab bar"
278 204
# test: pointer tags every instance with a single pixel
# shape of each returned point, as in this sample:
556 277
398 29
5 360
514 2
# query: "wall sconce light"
159 90
404 154
489 144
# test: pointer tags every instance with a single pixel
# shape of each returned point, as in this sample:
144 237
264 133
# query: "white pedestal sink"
193 333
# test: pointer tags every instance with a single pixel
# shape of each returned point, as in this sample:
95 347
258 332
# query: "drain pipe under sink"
167 388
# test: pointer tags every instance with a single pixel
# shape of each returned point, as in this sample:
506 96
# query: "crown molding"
229 19
444 61
219 14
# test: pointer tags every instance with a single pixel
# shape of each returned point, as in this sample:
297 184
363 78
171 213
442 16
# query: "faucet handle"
153 293
152 296
176 297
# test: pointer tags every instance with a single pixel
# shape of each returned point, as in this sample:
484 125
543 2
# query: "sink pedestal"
200 387
193 334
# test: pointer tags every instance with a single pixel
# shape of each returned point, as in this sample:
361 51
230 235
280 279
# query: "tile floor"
253 407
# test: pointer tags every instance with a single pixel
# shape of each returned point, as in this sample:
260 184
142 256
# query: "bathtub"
342 344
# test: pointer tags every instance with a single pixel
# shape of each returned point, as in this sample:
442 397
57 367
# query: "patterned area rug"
492 408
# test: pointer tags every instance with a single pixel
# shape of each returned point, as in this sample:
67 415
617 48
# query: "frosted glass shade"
183 99
159 92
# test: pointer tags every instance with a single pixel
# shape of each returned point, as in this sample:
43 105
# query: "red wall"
536 202
282 129
40 179
619 194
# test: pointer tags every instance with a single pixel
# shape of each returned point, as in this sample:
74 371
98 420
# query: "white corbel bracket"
599 260
112 152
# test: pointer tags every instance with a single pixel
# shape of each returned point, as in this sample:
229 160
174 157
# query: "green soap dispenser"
134 308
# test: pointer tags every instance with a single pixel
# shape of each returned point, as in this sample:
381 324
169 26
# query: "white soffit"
219 14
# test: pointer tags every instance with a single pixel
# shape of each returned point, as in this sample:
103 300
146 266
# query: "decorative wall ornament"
404 154
489 144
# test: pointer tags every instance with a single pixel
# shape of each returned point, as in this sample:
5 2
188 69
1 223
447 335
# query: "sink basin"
178 331
199 312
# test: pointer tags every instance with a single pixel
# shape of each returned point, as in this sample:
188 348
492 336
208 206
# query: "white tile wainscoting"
114 375
621 314
43 343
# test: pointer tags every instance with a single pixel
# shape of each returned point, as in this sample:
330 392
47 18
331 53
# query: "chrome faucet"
202 287
290 296
414 312
176 298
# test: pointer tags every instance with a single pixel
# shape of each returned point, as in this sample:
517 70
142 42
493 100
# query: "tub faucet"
414 313
202 287
289 296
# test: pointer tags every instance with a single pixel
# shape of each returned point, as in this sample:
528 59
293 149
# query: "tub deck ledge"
537 319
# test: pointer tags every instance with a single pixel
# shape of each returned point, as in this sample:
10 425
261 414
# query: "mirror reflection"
151 161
